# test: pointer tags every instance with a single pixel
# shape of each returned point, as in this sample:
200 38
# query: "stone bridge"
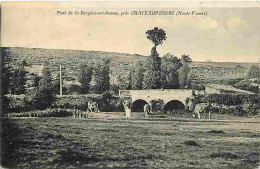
168 96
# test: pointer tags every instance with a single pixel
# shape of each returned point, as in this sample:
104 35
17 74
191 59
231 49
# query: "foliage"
44 96
114 89
239 105
44 113
107 102
137 76
74 89
184 71
254 72
157 105
18 78
169 74
247 85
101 77
152 75
85 77
130 81
156 35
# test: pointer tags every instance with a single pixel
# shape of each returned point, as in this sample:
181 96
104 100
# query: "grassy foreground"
138 143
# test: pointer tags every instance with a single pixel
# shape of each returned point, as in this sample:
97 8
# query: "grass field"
110 141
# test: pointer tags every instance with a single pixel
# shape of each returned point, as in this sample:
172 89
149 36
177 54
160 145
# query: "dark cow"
93 107
147 110
79 114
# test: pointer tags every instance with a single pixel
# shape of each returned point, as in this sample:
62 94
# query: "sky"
225 34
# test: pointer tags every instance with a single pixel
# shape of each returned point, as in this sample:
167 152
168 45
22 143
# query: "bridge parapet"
154 94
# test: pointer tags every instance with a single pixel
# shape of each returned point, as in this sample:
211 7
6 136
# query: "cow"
127 107
93 107
147 110
202 108
191 104
79 114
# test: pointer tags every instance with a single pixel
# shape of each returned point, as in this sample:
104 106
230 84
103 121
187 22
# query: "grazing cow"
93 107
147 110
79 114
191 104
202 108
127 107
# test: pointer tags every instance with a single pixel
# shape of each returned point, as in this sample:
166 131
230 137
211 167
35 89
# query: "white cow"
147 110
202 108
127 107
93 107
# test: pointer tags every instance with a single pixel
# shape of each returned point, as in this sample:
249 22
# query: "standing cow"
93 107
147 110
202 108
127 107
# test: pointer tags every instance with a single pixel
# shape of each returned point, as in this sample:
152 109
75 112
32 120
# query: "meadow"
108 140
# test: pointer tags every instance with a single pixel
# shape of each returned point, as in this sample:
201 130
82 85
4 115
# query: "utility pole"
60 82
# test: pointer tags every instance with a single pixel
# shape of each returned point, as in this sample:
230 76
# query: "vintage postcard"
130 84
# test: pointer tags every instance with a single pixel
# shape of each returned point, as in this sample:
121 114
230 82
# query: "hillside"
120 64
70 60
219 72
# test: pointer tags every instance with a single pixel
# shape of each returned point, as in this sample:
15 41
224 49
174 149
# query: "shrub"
72 102
43 98
107 102
157 105
44 113
74 89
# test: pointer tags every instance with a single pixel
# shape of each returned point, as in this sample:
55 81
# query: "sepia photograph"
144 84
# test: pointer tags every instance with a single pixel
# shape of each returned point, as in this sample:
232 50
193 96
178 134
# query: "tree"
101 77
152 74
5 74
44 96
153 64
152 77
184 71
169 74
85 77
130 81
254 72
137 76
156 35
18 79
4 82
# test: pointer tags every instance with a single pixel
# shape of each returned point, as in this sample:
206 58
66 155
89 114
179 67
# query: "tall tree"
184 71
153 64
101 78
254 72
137 76
44 96
85 77
18 79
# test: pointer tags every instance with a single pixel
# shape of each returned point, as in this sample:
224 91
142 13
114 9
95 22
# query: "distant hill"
70 60
120 64
219 72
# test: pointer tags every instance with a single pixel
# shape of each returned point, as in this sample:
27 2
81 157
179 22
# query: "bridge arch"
138 105
174 105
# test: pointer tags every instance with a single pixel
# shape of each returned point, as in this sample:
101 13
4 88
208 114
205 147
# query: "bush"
107 102
238 105
157 105
72 102
43 98
44 113
74 89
